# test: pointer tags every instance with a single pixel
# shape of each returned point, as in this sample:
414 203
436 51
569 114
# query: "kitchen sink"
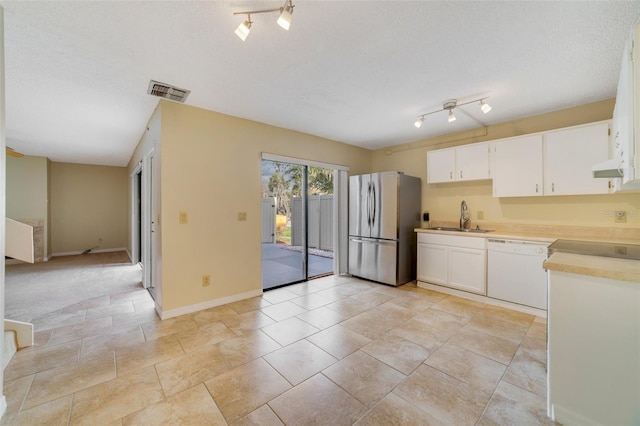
443 228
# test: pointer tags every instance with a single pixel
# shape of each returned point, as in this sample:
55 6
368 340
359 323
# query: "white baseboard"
480 298
567 417
73 253
206 305
3 406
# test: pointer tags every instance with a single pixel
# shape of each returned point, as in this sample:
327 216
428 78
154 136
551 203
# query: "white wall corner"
3 401
74 253
23 330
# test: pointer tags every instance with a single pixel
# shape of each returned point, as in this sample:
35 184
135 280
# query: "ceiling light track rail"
253 12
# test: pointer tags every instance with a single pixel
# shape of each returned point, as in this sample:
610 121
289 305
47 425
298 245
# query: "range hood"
608 169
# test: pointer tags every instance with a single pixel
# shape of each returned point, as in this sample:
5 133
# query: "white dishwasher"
515 273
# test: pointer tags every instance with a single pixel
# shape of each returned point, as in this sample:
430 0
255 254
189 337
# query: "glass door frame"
340 212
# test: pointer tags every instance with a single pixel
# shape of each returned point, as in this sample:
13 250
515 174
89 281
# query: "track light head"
243 29
419 122
485 107
449 106
285 15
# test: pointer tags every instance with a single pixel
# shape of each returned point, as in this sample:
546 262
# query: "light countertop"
493 234
596 266
544 233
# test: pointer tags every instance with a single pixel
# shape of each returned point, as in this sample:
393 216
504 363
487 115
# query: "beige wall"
211 169
442 201
88 203
27 192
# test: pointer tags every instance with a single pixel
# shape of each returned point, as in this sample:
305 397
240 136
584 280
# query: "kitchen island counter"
595 266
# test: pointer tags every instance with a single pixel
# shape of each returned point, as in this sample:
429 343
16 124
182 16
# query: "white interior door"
148 221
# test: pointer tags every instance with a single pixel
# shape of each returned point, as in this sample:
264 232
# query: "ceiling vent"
167 91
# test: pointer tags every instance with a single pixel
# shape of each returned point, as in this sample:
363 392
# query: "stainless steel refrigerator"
384 210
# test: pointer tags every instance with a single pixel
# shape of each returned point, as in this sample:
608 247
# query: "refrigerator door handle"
373 220
369 204
368 215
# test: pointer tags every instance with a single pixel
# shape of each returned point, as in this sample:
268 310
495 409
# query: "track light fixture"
452 104
284 20
485 107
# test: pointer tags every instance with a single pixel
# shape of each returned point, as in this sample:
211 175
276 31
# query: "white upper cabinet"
441 165
516 166
472 161
569 155
468 162
626 122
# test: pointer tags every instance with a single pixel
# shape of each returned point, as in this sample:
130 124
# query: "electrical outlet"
620 216
480 214
242 216
206 280
184 217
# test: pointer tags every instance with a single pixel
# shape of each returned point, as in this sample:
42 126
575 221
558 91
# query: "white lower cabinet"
454 261
432 263
467 269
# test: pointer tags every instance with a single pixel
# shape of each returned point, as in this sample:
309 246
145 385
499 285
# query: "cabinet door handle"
536 188
460 174
553 187
450 175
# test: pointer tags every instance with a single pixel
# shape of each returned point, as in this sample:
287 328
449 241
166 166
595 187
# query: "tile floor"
334 351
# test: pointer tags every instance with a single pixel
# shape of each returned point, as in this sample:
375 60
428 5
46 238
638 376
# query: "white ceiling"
358 72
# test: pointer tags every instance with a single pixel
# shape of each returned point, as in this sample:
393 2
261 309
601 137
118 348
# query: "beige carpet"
33 291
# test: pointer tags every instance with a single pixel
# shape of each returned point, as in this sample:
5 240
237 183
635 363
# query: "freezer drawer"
375 260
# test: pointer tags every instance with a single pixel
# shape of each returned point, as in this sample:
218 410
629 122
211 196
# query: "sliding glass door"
297 223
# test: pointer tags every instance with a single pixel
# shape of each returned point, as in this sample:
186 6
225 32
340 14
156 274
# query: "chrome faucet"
464 215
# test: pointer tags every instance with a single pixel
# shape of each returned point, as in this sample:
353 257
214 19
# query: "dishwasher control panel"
518 246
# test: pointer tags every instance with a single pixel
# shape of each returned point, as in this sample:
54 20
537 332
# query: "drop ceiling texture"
358 72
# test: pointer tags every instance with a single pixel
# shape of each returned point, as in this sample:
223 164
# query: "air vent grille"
167 91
